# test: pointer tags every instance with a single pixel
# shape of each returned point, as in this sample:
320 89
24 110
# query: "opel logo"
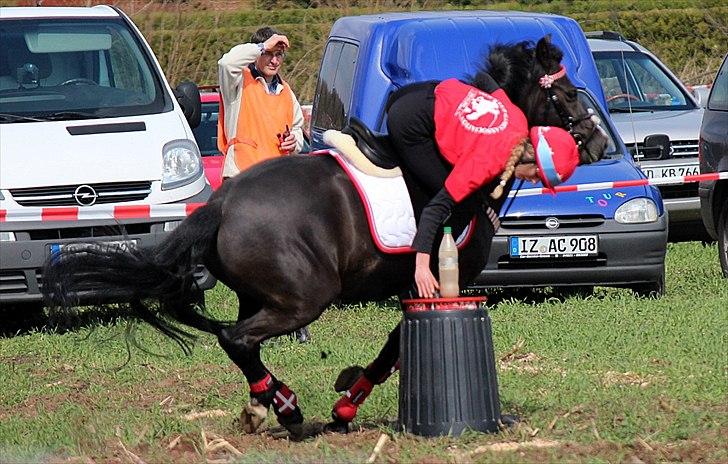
552 223
85 195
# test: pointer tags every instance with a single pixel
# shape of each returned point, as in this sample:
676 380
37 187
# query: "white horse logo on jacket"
478 104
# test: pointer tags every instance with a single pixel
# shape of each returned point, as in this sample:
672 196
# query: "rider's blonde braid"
523 149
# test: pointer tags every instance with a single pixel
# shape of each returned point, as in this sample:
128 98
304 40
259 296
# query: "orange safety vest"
262 116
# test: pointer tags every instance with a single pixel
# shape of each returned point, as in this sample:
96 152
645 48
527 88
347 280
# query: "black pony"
290 237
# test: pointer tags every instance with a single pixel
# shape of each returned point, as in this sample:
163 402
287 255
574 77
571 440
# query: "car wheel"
723 239
650 289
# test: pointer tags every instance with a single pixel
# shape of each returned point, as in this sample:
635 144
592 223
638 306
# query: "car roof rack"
606 35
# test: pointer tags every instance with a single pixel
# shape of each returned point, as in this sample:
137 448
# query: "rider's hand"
276 42
426 282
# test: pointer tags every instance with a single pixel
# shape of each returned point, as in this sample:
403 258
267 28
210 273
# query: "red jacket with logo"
475 132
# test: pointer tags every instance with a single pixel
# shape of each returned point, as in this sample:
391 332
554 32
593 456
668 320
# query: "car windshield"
75 69
633 81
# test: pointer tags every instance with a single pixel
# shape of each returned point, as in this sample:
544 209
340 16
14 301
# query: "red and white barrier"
182 210
677 180
99 212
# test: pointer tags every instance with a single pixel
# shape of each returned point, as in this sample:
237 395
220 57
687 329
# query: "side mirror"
188 96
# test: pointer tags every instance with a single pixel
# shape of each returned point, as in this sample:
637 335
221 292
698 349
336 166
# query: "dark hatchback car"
714 158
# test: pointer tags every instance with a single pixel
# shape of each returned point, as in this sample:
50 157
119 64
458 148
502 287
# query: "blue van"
368 57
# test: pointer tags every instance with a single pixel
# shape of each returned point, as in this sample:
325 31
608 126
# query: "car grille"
111 192
669 192
506 262
90 232
13 282
539 222
679 149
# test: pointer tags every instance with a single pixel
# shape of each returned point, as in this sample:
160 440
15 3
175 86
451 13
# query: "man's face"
269 63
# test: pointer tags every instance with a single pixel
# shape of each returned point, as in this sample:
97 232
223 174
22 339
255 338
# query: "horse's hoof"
253 416
336 427
295 431
347 377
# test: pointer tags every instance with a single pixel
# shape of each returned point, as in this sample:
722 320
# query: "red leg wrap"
346 407
262 385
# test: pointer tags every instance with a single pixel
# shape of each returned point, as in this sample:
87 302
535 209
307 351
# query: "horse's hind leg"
358 383
242 344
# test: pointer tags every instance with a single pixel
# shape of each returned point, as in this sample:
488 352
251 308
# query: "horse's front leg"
357 383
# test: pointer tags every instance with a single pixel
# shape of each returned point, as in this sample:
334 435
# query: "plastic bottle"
448 266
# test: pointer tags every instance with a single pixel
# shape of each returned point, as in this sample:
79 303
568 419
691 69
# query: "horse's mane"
513 66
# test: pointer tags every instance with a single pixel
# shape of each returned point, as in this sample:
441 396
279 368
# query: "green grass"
602 379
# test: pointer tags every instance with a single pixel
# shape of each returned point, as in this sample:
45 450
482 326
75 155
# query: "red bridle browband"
547 80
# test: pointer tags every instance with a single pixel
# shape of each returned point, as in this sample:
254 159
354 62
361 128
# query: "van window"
333 94
719 95
76 68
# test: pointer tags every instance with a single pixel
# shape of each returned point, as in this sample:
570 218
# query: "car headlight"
636 211
182 164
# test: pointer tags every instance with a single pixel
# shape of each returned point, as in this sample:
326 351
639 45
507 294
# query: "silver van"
658 119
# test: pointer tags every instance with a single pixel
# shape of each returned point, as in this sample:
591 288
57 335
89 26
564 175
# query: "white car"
659 120
92 138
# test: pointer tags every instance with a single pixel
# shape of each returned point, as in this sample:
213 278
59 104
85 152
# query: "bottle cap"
447 230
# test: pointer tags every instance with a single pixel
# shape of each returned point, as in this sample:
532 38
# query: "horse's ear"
548 54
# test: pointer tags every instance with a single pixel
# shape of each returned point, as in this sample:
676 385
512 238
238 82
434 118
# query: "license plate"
564 246
124 245
681 170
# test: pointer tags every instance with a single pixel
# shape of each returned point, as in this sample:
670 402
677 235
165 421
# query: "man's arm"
230 68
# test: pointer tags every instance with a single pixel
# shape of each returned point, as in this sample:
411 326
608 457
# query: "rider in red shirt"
455 138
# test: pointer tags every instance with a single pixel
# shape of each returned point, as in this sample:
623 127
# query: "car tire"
723 239
651 289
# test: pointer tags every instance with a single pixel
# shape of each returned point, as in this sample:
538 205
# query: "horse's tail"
143 276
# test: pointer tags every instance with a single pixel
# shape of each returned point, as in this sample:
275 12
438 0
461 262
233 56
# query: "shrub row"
691 41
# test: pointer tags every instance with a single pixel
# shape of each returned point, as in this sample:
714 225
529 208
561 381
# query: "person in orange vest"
260 116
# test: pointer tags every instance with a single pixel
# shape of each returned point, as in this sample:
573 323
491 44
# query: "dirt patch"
517 360
612 378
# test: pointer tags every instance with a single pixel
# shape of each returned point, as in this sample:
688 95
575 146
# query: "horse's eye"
572 94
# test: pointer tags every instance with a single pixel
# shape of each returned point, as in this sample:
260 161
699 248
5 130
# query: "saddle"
376 147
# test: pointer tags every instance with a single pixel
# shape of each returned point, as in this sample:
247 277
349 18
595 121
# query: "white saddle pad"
389 208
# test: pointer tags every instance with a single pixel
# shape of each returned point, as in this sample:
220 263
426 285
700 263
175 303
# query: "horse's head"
536 81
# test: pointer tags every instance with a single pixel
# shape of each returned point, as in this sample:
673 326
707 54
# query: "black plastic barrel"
448 377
